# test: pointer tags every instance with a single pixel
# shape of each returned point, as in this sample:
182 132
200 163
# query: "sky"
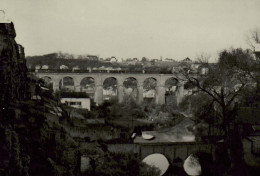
132 28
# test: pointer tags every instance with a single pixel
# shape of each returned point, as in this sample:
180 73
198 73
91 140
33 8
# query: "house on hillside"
204 70
64 67
37 67
169 60
155 60
92 57
257 50
131 61
45 67
75 68
112 59
195 66
188 60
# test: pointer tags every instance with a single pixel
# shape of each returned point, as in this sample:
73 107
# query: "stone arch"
87 84
110 86
150 90
162 163
67 84
130 85
171 86
204 159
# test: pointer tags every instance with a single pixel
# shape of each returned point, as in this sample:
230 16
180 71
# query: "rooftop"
177 134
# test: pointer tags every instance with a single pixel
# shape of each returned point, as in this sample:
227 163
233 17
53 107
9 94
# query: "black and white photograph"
129 87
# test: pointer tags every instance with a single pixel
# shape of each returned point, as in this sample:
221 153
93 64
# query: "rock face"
32 141
13 78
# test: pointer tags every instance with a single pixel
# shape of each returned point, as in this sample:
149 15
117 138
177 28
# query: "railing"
98 71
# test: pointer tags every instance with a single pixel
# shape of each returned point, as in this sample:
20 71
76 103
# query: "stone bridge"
175 150
170 150
99 78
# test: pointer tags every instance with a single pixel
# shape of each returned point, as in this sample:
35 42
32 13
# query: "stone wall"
13 71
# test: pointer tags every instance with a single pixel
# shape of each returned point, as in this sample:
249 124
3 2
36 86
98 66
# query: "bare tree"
253 38
203 58
224 85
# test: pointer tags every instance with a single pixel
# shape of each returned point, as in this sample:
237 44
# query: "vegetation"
221 92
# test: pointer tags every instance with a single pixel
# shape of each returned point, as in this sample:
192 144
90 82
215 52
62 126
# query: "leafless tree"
224 85
203 58
253 38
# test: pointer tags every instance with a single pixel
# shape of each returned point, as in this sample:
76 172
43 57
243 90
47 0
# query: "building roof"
74 95
176 134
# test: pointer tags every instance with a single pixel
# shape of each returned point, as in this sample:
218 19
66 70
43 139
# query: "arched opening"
189 87
130 89
170 92
87 85
198 163
48 81
67 84
149 90
109 88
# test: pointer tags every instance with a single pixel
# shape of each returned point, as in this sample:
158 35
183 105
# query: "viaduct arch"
99 78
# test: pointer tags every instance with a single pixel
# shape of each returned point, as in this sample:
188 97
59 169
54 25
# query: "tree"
203 58
253 38
144 59
224 84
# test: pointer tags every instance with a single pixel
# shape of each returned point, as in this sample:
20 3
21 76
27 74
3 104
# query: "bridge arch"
171 87
130 85
67 83
110 88
159 90
202 159
87 84
150 90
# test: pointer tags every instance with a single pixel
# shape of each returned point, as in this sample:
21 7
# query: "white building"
83 103
45 67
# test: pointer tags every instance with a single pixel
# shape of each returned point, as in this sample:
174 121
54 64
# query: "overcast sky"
132 28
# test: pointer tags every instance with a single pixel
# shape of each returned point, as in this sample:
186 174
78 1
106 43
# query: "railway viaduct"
99 78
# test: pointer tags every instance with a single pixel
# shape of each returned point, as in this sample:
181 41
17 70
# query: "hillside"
55 61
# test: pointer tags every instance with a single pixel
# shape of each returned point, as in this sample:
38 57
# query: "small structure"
64 67
257 50
251 147
92 57
188 60
37 67
113 59
76 99
75 68
204 70
45 67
